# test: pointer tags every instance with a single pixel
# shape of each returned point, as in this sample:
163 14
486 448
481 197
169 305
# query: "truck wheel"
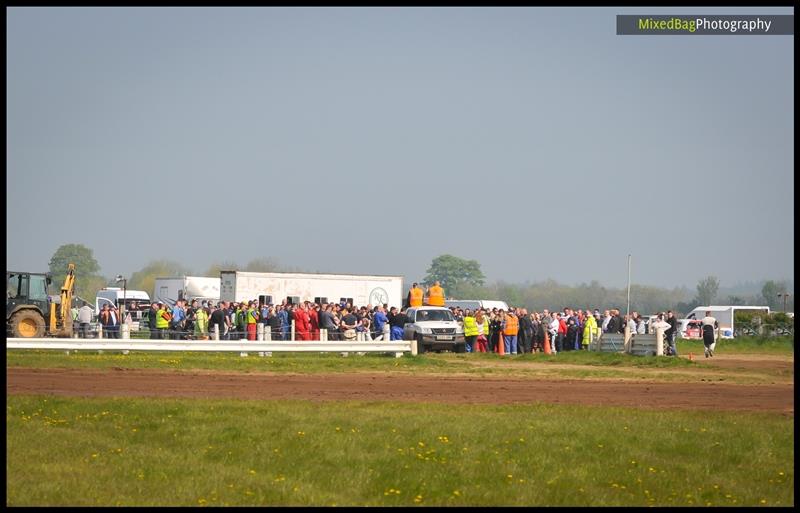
420 345
461 348
27 324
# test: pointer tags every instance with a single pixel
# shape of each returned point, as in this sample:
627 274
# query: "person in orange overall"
313 319
415 296
436 295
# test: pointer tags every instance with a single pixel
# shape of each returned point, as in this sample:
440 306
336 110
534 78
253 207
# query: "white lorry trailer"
169 290
724 316
274 288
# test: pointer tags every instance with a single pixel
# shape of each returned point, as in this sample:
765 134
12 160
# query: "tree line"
461 279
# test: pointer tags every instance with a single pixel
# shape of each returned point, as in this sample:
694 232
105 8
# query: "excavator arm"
64 318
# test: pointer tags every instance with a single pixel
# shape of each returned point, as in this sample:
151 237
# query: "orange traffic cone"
500 349
546 343
691 357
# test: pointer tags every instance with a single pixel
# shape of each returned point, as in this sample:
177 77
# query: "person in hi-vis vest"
415 296
436 295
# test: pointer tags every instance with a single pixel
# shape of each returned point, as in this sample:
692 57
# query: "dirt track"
393 387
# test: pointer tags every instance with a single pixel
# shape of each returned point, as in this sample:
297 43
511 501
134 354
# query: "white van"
474 304
137 302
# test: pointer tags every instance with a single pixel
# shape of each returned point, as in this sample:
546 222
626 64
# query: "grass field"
69 451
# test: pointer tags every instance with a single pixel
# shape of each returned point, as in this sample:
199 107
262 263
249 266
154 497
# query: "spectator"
589 331
482 328
283 315
496 330
85 315
380 320
178 321
217 320
105 321
313 320
348 325
526 332
641 324
606 321
327 322
302 326
510 331
152 317
200 324
363 327
397 321
572 334
671 333
251 318
470 330
162 321
562 332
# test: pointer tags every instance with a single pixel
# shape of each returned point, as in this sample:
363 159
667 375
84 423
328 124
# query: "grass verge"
87 452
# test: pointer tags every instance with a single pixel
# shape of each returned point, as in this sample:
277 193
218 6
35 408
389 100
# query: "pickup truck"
434 328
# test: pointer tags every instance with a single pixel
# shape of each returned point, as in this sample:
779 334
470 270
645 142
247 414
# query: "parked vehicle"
28 305
474 304
434 328
690 329
136 302
724 316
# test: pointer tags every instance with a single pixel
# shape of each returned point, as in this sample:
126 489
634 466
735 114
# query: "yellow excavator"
27 301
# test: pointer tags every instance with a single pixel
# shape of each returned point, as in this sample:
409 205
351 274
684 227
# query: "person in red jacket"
562 332
301 323
313 315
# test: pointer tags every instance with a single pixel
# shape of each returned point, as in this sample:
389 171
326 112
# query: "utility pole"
785 295
628 308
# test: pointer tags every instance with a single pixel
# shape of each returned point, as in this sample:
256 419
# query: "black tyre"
27 324
461 348
420 345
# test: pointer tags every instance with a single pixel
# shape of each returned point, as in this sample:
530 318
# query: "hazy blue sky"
371 140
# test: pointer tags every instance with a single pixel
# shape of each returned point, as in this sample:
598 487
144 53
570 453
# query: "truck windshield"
434 315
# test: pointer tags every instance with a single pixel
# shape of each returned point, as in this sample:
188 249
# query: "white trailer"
169 290
274 288
724 316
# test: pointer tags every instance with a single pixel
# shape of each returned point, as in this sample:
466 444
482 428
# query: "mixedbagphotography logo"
635 24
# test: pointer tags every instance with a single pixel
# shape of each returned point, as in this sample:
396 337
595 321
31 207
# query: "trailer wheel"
27 324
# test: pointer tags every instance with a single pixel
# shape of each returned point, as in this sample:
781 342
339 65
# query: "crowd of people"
518 330
485 330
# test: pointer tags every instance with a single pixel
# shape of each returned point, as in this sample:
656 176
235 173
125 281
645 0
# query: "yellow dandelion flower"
252 471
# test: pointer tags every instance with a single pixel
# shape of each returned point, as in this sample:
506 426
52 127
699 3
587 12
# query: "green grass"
85 452
741 345
585 364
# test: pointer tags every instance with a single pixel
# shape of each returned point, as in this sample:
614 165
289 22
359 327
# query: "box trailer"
724 316
169 290
274 288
